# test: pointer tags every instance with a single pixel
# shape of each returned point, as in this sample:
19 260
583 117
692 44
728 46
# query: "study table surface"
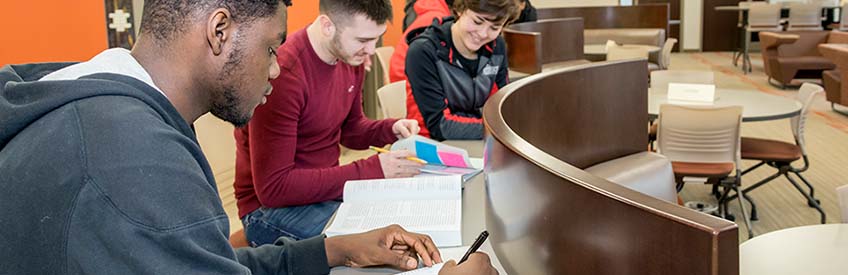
601 49
756 106
473 218
820 249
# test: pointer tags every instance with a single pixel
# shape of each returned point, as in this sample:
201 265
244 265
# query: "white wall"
137 6
691 22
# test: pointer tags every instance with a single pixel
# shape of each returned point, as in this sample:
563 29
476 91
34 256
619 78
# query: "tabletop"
601 49
820 249
756 106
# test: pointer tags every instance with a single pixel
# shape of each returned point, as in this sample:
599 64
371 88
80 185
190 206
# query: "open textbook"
428 205
442 159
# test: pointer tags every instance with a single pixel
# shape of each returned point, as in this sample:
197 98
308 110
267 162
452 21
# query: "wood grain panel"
547 216
719 27
641 16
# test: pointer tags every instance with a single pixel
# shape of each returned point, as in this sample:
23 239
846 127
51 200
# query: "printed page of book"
421 188
441 219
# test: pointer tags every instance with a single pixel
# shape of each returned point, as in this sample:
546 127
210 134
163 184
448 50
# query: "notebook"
442 159
451 253
428 205
455 254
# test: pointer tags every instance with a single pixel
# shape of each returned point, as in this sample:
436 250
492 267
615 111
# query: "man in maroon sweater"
288 178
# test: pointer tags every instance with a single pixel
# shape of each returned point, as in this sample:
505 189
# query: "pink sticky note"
452 159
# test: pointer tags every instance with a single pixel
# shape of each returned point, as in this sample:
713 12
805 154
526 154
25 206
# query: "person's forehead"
360 25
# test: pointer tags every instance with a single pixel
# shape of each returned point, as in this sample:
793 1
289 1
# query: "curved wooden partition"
547 216
639 16
561 40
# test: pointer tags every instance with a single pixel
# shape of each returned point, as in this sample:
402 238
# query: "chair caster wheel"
730 217
811 204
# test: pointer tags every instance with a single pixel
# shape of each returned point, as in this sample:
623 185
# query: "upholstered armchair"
835 92
791 55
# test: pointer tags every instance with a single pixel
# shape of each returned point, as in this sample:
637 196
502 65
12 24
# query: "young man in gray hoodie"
101 172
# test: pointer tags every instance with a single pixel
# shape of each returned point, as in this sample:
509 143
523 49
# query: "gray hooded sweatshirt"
101 175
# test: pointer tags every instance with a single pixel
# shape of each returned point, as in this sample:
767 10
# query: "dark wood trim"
719 31
640 16
548 216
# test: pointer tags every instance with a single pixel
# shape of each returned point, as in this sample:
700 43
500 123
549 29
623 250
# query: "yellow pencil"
381 150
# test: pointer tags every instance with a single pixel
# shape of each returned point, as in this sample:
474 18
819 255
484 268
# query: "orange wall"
51 30
303 12
57 30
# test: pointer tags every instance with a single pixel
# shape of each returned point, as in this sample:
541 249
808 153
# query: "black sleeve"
286 257
425 83
503 70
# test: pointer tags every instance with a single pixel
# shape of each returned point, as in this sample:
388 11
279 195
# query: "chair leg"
754 216
758 184
715 192
810 199
745 58
753 167
736 56
722 205
744 213
812 190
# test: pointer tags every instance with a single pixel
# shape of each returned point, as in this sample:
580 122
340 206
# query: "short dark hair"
164 18
504 10
378 10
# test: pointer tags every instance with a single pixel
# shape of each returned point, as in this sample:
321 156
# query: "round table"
756 106
601 49
820 249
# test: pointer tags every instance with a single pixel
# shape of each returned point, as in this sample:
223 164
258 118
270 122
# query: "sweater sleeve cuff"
389 136
308 256
370 168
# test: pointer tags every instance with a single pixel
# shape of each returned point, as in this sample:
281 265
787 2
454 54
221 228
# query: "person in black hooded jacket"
454 65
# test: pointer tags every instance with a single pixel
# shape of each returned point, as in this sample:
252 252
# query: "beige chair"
761 17
780 155
703 146
384 54
619 52
805 17
392 100
842 194
647 172
660 80
665 53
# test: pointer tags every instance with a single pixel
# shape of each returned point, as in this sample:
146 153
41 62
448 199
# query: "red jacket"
427 10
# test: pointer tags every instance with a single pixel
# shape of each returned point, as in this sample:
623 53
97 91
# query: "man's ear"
328 28
219 28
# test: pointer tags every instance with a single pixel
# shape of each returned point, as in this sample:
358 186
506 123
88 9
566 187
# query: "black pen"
476 245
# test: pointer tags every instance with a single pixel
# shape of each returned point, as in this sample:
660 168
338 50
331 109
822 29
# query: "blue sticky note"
427 152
